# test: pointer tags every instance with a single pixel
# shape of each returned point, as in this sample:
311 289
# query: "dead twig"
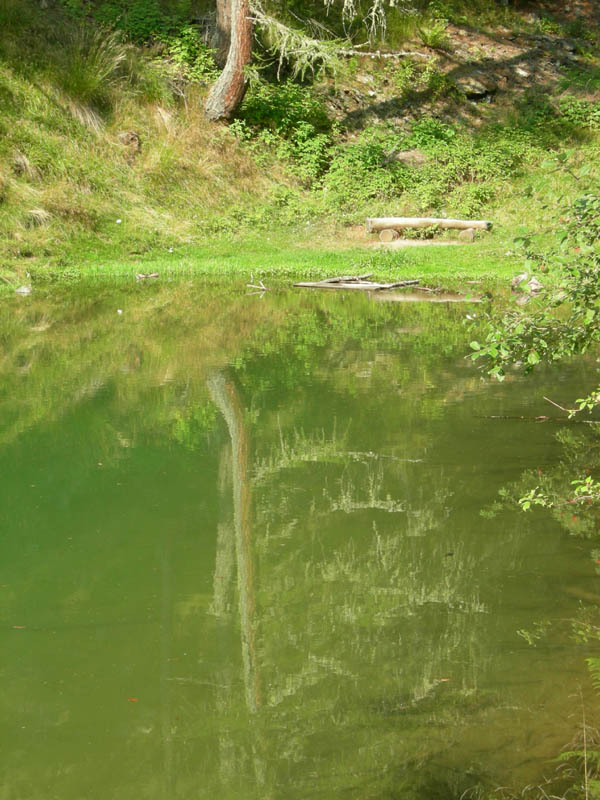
562 408
261 287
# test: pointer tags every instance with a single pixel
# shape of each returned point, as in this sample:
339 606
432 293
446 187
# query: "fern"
594 668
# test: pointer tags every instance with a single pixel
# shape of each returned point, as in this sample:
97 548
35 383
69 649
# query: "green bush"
287 121
309 152
430 130
282 107
433 34
580 112
411 80
188 56
462 169
362 171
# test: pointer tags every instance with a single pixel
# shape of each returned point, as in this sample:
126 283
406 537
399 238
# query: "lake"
243 553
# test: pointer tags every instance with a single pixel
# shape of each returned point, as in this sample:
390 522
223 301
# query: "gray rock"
410 158
535 286
516 282
475 87
468 235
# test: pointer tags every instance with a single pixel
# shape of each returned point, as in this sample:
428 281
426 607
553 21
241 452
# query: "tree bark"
228 92
223 32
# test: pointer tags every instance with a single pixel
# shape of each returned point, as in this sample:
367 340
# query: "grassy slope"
74 198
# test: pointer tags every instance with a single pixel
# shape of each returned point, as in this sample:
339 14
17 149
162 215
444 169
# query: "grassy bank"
107 165
283 257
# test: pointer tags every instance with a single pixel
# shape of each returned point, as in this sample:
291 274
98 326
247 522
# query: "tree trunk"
225 395
228 92
222 37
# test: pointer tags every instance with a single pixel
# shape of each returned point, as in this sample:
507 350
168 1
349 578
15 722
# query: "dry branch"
357 283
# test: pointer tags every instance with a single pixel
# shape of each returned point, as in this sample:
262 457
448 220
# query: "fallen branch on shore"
260 286
354 51
356 282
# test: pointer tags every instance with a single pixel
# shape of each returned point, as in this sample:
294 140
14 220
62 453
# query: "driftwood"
342 279
260 287
357 282
375 224
354 51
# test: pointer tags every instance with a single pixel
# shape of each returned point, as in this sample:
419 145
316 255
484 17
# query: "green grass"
277 194
284 257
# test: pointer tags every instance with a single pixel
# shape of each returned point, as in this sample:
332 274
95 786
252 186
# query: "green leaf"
475 346
533 357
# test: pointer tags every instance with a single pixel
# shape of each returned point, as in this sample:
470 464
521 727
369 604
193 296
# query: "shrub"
433 34
362 171
580 112
282 107
190 56
412 80
430 130
309 152
289 122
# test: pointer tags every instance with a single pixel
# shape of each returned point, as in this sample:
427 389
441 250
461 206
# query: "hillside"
106 158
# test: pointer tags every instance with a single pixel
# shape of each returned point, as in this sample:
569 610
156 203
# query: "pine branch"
303 52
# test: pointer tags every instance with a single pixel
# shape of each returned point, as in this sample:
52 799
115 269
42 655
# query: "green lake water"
242 554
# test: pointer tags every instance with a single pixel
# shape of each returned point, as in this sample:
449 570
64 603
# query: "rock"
535 286
468 235
23 290
475 87
524 73
516 282
410 158
132 142
531 288
130 138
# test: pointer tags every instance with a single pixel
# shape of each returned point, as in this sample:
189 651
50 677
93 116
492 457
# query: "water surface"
242 552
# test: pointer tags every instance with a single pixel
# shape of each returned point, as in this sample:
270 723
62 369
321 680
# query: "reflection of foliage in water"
553 487
63 347
338 602
366 597
287 357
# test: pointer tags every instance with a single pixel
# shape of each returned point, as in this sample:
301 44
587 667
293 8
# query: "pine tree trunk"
222 39
228 92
